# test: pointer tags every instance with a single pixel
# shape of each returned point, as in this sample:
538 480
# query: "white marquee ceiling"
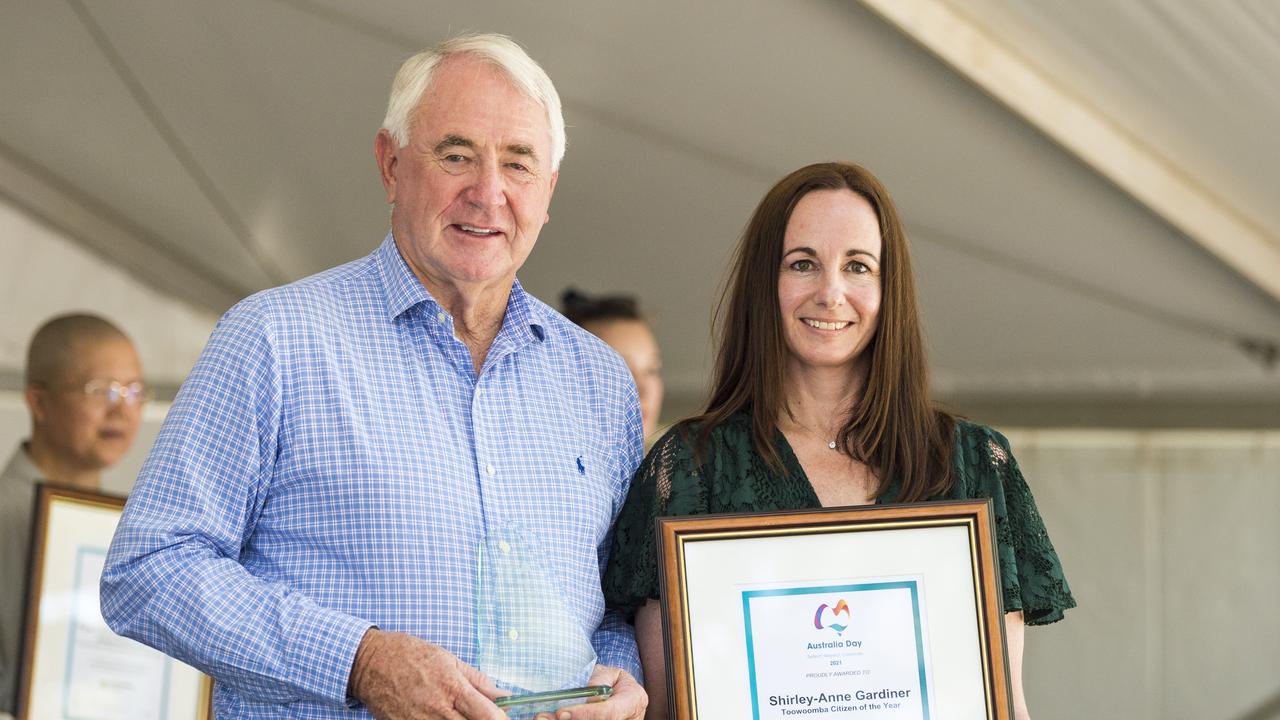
218 148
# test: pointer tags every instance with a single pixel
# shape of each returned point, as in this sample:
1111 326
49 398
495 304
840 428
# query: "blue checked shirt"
334 462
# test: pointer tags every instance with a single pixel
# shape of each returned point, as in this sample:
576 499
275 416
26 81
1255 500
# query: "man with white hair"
389 488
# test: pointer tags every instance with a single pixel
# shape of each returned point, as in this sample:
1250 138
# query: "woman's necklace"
810 432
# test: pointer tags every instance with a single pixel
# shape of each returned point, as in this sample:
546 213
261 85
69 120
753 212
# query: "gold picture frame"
885 611
73 666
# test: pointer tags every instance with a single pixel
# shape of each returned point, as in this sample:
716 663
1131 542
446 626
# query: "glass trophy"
527 639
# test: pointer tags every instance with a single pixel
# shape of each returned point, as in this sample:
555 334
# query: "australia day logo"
836 618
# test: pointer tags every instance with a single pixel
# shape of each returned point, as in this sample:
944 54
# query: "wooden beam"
1116 152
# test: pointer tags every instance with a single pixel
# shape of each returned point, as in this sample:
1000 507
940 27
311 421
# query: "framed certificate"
885 611
73 666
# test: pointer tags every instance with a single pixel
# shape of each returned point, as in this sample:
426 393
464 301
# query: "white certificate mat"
75 667
841 649
884 612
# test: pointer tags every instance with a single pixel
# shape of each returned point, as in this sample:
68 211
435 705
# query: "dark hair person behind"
821 398
616 319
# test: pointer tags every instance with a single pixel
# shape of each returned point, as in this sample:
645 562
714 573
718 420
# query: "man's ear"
36 398
551 191
385 151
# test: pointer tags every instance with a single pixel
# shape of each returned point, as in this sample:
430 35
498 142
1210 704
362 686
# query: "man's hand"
401 677
627 702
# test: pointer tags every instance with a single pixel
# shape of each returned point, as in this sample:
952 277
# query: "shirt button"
513 634
488 469
440 317
505 547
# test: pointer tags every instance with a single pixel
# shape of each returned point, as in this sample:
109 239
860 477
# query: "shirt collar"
523 315
404 291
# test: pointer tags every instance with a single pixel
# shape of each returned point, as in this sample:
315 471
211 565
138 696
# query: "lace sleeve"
668 482
1029 566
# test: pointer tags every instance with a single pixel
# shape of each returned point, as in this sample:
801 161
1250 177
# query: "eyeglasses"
113 392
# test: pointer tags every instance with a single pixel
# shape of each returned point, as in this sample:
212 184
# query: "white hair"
415 75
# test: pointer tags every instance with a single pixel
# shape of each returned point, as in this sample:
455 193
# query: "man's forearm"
265 641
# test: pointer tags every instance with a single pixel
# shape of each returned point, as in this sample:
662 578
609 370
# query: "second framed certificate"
872 612
74 666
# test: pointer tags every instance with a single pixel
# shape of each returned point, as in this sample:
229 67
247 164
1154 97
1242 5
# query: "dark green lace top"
733 478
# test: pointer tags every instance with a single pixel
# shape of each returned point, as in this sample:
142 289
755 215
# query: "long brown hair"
893 427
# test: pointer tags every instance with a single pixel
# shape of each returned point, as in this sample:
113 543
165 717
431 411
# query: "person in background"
616 320
84 391
388 487
820 398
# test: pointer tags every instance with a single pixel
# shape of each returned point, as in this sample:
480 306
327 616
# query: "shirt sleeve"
615 640
668 482
1030 570
173 579
615 644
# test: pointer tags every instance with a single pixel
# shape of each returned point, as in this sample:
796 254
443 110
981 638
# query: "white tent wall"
1170 542
43 273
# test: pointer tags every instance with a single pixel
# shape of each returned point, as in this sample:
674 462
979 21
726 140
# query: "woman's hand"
653 656
1014 630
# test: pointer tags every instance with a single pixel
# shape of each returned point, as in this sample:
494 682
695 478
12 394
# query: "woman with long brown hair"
820 398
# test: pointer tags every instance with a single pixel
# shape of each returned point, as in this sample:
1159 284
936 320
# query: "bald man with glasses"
85 392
